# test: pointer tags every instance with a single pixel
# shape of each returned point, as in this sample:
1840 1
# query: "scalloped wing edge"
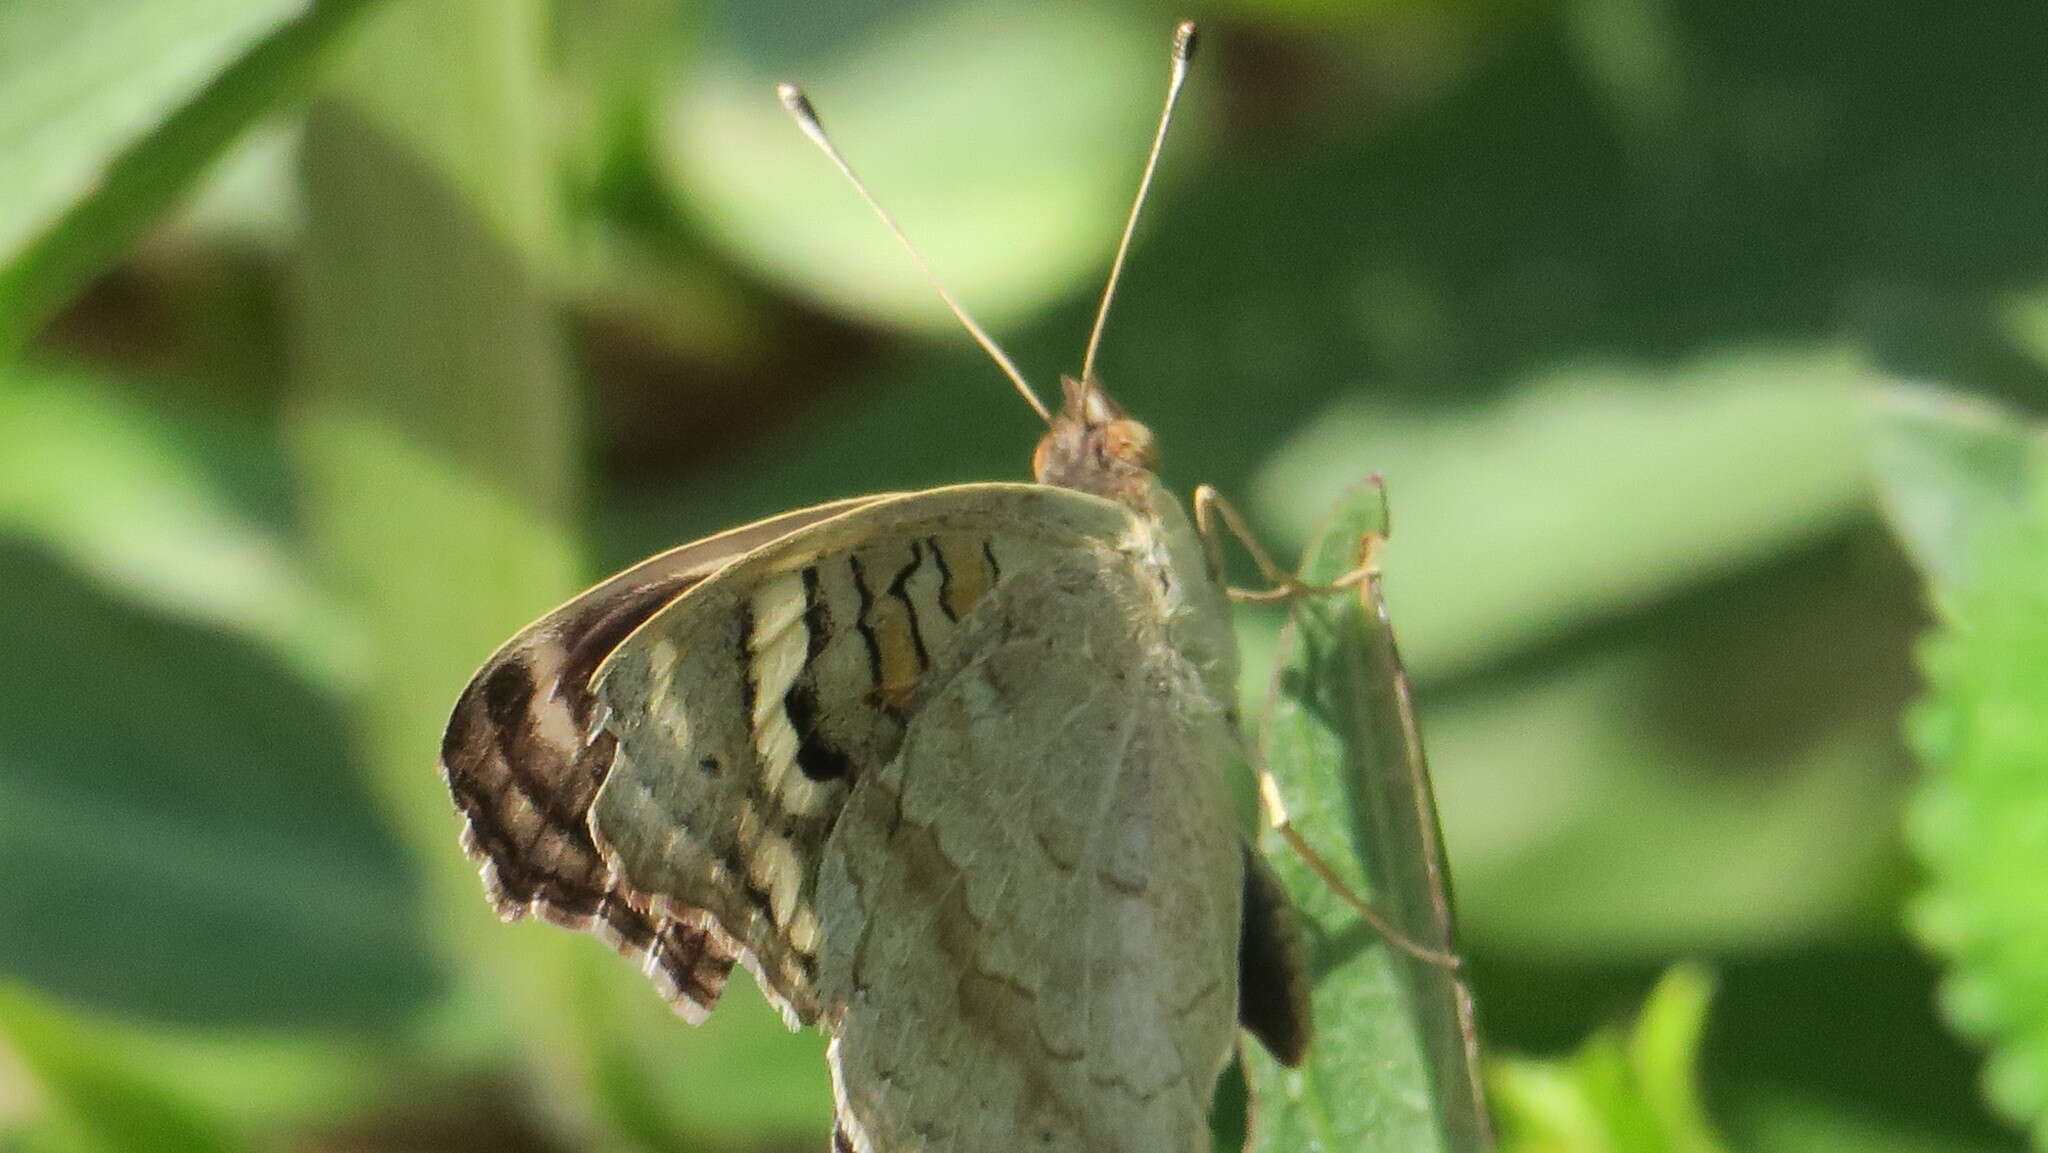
526 751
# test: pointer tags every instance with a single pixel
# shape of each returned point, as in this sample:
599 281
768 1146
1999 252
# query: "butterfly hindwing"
747 710
1031 914
524 758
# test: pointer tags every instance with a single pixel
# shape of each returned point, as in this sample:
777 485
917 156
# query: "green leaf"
1554 504
109 110
181 834
1633 1093
245 1082
1790 1122
1049 176
1950 469
1754 728
1392 1066
90 474
84 82
739 1080
437 436
1979 821
104 1101
2024 320
433 433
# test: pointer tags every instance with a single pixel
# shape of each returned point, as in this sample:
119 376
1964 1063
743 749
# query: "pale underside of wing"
747 711
524 758
1031 915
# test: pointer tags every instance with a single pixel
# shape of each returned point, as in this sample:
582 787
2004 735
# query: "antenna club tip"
793 98
1184 41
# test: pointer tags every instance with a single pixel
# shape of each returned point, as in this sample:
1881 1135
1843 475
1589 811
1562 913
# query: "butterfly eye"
1132 443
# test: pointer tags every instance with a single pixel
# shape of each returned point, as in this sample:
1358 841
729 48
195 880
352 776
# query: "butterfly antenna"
1183 52
806 117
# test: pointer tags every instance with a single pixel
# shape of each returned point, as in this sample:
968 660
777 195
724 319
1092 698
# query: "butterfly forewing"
747 710
524 757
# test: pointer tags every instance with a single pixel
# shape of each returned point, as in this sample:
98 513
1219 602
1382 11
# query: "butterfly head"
1092 446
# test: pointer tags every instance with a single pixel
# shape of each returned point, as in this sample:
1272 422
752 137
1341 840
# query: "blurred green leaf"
1632 1093
1785 1123
1841 1048
1555 504
105 1100
42 1136
249 196
1664 1052
437 439
611 58
88 473
1979 821
244 1082
1317 15
109 110
739 1080
1629 49
2025 321
433 438
1950 470
1704 757
1723 775
181 834
1045 160
1390 1067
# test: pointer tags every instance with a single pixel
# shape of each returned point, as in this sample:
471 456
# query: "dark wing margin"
524 757
526 751
1272 967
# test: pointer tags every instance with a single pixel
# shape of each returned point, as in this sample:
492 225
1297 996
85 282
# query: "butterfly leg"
1216 517
1283 823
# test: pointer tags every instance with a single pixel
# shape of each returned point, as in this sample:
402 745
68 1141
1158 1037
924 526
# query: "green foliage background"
340 337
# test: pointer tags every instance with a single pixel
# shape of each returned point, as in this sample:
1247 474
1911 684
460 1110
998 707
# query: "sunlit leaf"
181 834
110 109
1950 469
1980 819
1013 184
105 1100
1390 1067
1966 487
1556 503
1730 782
1620 1093
1790 1122
89 474
437 437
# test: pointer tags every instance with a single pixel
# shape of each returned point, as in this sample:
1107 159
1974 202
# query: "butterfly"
944 770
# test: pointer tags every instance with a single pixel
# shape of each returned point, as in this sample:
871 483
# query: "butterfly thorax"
1095 448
